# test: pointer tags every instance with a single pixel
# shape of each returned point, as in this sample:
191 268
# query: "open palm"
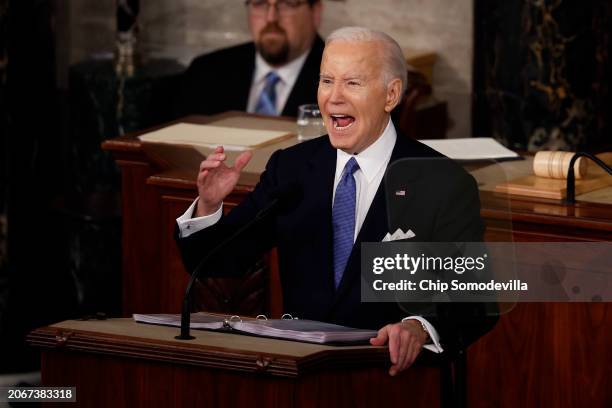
216 180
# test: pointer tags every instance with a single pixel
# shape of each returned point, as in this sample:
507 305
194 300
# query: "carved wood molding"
68 340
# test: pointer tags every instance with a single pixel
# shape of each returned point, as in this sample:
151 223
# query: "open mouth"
342 122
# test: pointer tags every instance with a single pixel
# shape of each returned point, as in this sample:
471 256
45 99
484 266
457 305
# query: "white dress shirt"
372 162
288 74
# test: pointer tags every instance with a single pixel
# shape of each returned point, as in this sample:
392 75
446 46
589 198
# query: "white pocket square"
398 234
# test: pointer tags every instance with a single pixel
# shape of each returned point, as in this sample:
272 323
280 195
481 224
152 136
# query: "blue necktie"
266 104
343 219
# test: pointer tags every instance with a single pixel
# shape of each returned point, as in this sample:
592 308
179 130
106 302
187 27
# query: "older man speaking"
362 78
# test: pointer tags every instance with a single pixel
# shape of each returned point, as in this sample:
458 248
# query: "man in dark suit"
273 75
344 203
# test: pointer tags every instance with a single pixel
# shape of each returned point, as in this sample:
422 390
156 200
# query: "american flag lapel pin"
400 193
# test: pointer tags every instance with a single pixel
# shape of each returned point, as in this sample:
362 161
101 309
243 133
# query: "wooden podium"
121 363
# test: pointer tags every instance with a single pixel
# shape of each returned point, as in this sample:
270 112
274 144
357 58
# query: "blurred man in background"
272 75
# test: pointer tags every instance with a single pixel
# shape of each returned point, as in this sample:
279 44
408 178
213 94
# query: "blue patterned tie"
343 219
266 104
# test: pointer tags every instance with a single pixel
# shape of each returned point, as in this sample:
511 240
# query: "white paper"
212 136
473 148
292 329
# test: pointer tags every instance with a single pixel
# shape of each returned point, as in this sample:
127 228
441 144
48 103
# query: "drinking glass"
309 122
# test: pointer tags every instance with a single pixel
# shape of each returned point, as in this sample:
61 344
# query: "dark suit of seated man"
272 75
344 203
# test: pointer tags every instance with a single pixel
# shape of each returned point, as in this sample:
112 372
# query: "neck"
370 142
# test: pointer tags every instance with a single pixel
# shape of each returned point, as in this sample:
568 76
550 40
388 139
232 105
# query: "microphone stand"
571 183
185 313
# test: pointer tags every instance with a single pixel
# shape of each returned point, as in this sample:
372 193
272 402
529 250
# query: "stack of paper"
304 330
198 320
212 136
291 329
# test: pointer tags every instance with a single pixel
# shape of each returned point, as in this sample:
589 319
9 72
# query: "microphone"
284 199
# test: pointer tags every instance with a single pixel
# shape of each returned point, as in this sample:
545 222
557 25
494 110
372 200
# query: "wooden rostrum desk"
539 354
120 363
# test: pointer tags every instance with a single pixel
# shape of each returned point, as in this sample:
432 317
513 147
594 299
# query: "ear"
394 94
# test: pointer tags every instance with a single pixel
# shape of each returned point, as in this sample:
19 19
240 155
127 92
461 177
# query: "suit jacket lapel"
318 189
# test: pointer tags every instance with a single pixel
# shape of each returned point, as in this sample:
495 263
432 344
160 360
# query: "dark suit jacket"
221 81
438 206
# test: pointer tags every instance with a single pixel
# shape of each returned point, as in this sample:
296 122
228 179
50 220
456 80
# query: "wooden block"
556 189
534 186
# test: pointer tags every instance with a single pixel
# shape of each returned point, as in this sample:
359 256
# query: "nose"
336 96
272 12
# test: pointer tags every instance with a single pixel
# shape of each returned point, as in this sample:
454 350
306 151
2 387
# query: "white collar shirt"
372 163
288 74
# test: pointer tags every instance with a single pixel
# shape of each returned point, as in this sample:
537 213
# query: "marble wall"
182 29
543 73
83 29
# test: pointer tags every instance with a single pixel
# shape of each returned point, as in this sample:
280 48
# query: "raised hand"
216 180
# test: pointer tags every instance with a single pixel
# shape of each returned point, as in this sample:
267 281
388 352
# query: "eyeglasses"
285 7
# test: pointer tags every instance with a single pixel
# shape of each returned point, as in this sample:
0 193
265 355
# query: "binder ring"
261 317
235 318
287 316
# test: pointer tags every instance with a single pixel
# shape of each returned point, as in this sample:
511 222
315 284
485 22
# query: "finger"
242 160
394 343
205 165
402 349
219 149
216 157
202 176
394 354
406 352
415 351
381 338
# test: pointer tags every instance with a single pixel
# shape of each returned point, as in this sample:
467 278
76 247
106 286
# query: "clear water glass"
309 122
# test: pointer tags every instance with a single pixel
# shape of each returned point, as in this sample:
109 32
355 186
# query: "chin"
341 142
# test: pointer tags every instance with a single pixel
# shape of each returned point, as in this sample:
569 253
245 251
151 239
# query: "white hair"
395 64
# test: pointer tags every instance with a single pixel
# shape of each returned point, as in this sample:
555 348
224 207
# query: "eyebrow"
347 78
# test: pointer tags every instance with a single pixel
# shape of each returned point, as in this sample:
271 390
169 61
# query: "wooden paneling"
545 354
104 381
140 209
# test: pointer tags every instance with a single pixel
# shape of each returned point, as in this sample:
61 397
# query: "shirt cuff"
433 334
189 225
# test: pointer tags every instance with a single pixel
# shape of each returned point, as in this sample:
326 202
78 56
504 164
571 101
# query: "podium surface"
124 363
